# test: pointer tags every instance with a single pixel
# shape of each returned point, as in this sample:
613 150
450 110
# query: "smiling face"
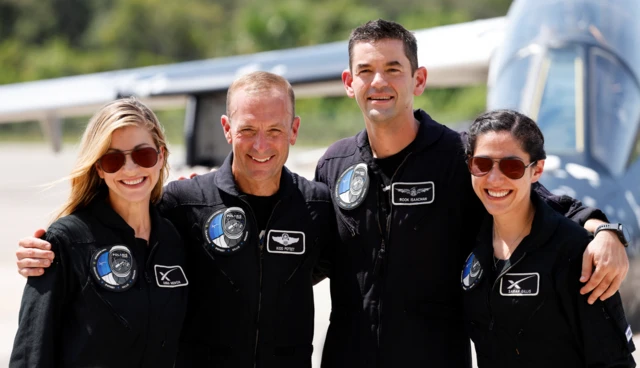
499 194
381 81
260 129
132 183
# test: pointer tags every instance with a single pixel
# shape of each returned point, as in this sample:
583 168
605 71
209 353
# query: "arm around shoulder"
39 329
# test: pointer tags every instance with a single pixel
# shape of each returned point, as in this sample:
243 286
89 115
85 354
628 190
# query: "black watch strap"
617 228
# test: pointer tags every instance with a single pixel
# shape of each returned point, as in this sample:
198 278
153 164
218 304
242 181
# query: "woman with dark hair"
521 291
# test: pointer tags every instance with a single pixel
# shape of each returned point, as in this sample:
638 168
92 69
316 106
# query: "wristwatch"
620 230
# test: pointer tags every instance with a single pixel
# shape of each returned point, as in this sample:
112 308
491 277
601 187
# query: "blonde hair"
84 178
259 82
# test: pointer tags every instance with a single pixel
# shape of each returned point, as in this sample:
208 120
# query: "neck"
387 139
509 230
262 188
136 215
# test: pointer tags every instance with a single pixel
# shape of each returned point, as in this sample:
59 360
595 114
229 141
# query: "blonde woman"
116 292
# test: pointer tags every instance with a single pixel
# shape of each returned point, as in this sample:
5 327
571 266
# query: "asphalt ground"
27 203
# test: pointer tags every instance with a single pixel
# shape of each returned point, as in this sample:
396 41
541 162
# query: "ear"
420 76
226 127
99 170
538 169
294 130
161 155
347 79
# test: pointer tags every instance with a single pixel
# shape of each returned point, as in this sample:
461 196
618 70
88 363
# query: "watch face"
623 233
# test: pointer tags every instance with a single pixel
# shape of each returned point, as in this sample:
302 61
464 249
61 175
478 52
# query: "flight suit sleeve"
37 342
169 208
569 207
322 269
320 174
602 328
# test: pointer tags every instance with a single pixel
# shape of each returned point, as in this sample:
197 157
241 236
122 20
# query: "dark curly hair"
524 129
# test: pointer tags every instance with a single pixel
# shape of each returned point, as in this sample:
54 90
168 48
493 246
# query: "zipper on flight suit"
261 237
382 252
495 282
147 266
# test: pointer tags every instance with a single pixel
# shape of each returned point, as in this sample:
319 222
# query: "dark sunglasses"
143 157
512 168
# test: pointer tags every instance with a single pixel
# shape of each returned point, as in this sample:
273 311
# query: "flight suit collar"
545 222
104 213
225 182
428 133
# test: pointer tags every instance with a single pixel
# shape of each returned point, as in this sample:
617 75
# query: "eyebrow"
136 147
390 63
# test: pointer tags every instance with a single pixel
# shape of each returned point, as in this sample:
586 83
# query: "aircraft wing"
455 55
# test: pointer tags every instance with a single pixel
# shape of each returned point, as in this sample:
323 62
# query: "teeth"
262 160
133 182
381 98
498 194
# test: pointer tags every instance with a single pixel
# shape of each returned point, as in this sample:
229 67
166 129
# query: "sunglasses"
143 157
512 168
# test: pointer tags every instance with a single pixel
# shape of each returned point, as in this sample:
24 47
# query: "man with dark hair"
407 217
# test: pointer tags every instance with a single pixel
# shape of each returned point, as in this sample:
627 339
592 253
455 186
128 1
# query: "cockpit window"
615 112
547 87
558 112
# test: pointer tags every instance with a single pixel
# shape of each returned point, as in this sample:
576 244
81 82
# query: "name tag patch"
285 242
412 194
170 276
520 284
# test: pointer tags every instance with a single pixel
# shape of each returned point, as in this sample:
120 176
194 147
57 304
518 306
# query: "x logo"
165 275
514 284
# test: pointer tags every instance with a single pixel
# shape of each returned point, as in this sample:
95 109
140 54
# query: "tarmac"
27 203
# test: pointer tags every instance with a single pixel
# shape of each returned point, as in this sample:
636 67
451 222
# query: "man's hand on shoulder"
604 265
33 255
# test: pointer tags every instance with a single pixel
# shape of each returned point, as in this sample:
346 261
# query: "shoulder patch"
352 186
114 268
471 272
226 230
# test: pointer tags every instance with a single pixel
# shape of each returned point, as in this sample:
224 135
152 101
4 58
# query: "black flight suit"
529 312
67 319
251 299
395 281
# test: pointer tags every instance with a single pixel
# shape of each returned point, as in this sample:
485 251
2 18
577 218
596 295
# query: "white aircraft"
572 65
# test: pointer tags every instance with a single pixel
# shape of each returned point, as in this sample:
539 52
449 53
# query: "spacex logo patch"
285 242
170 276
520 284
412 194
